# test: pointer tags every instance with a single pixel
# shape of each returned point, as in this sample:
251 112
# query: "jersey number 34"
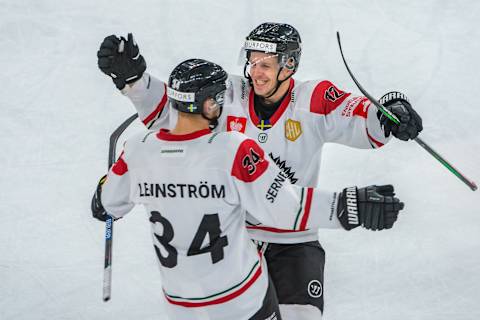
210 225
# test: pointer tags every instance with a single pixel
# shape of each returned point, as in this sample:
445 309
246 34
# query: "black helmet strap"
279 83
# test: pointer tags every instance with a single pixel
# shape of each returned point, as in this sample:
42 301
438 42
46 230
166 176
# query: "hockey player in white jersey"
291 120
196 187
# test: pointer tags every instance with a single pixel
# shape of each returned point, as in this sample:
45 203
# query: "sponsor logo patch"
244 89
352 210
293 129
262 137
352 103
260 46
357 105
236 124
282 164
173 151
315 289
180 96
275 186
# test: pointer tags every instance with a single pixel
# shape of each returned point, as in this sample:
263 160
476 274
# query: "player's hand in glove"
410 122
98 212
120 59
372 207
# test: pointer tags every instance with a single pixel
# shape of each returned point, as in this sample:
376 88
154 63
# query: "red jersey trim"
361 110
377 143
158 110
270 229
281 109
165 134
308 205
223 296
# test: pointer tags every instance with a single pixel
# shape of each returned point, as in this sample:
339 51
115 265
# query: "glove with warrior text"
98 212
410 122
372 207
120 59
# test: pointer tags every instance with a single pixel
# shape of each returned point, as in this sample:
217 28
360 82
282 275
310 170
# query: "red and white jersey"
196 189
312 114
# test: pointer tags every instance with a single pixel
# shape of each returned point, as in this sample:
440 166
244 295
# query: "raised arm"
352 120
120 59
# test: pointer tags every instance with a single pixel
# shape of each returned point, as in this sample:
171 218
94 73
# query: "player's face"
263 71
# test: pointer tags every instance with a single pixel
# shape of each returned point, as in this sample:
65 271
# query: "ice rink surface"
58 111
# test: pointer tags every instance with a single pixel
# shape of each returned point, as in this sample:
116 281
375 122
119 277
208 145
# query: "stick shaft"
392 117
107 270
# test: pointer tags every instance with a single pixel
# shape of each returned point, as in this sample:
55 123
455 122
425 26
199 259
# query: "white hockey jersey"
312 114
196 189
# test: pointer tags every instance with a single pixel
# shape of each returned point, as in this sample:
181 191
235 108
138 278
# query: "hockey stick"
107 269
393 118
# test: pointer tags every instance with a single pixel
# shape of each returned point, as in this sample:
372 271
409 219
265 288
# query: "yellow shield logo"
293 129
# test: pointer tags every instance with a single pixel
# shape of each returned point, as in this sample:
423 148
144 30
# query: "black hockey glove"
372 207
410 122
98 212
120 59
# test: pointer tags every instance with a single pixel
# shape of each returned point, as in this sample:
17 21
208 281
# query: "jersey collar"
274 118
165 134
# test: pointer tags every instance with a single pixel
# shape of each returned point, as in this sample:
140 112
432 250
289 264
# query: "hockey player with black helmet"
292 120
281 41
197 185
208 82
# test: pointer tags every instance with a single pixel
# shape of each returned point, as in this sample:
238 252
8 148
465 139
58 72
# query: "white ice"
58 111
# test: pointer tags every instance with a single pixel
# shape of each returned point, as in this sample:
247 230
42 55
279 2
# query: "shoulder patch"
326 97
249 162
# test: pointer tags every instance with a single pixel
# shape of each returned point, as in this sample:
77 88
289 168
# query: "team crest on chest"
236 124
293 129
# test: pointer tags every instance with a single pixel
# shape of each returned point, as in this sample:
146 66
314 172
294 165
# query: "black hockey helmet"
280 38
192 82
